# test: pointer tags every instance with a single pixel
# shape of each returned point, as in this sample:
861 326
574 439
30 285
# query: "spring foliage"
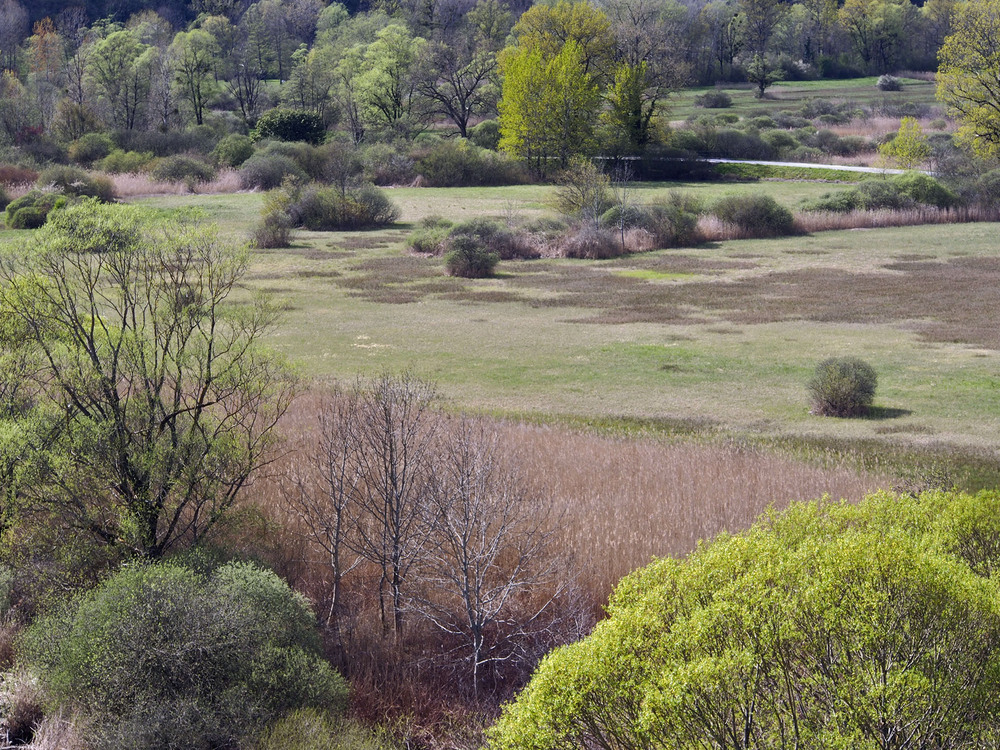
827 626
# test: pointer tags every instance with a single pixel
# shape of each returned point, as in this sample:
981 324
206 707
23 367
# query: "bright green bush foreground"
826 626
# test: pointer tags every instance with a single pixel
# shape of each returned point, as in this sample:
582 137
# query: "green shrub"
887 82
181 169
486 134
842 387
163 657
714 100
267 172
385 165
76 182
583 191
233 150
458 163
495 237
274 229
290 125
125 162
29 217
469 259
876 195
430 236
673 220
755 214
90 147
32 209
924 189
326 209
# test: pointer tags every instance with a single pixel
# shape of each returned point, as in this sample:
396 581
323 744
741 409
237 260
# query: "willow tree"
549 107
145 400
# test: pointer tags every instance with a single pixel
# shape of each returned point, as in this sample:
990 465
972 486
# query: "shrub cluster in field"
802 134
56 187
906 190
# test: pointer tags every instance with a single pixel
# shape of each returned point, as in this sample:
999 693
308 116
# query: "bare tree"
488 575
393 433
322 490
13 30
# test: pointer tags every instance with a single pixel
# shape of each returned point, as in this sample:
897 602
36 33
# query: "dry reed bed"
626 500
713 229
621 501
141 185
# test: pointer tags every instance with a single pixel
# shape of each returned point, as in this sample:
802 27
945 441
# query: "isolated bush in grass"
825 626
714 100
756 214
469 259
268 171
842 387
163 657
887 82
326 209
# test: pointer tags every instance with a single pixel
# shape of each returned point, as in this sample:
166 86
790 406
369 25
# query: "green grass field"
725 335
792 94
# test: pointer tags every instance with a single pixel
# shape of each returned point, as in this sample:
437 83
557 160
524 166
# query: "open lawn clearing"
792 94
727 333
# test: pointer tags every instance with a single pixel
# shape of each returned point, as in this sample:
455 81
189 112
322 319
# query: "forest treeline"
561 77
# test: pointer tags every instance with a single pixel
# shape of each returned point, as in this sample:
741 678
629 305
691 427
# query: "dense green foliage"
138 406
167 657
843 387
756 215
469 258
826 626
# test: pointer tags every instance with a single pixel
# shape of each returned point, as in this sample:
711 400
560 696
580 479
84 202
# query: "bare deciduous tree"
393 433
488 575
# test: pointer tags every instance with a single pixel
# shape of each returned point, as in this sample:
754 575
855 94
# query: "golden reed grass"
622 501
138 185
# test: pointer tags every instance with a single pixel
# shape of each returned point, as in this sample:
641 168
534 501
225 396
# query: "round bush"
470 260
486 134
163 657
32 209
755 214
233 150
714 100
124 162
495 237
290 125
267 172
181 169
76 182
924 189
842 387
887 82
90 147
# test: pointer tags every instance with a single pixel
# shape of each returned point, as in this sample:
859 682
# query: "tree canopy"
827 626
144 401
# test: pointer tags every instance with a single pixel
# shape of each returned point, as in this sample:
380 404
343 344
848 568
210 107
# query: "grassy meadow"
792 94
726 334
